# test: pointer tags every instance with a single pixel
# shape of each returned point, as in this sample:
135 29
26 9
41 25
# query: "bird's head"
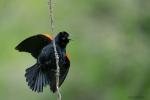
62 39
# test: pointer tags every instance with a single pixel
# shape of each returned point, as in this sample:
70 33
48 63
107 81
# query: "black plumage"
43 72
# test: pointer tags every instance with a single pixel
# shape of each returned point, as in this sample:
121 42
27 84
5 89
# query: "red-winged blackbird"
43 72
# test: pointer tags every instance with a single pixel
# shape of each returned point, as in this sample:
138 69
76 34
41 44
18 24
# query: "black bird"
44 71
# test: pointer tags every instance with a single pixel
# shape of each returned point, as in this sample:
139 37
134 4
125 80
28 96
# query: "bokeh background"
110 51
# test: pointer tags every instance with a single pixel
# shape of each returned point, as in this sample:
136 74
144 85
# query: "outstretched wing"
63 73
34 44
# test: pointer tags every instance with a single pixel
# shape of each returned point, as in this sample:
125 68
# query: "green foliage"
109 52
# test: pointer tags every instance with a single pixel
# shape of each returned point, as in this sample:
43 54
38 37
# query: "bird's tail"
36 78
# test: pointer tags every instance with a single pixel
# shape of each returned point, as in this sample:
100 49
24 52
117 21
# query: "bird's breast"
47 58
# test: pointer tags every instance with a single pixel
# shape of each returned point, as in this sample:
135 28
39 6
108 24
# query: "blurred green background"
110 51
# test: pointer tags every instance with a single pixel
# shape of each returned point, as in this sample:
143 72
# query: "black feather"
33 44
43 73
36 78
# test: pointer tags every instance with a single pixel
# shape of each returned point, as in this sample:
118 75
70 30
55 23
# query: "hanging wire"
55 50
50 4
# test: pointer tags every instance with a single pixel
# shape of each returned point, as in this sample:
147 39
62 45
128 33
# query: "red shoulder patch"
67 55
48 36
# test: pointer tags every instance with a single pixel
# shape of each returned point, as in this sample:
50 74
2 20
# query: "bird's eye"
63 38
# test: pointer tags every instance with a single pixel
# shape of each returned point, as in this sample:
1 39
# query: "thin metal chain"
55 50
